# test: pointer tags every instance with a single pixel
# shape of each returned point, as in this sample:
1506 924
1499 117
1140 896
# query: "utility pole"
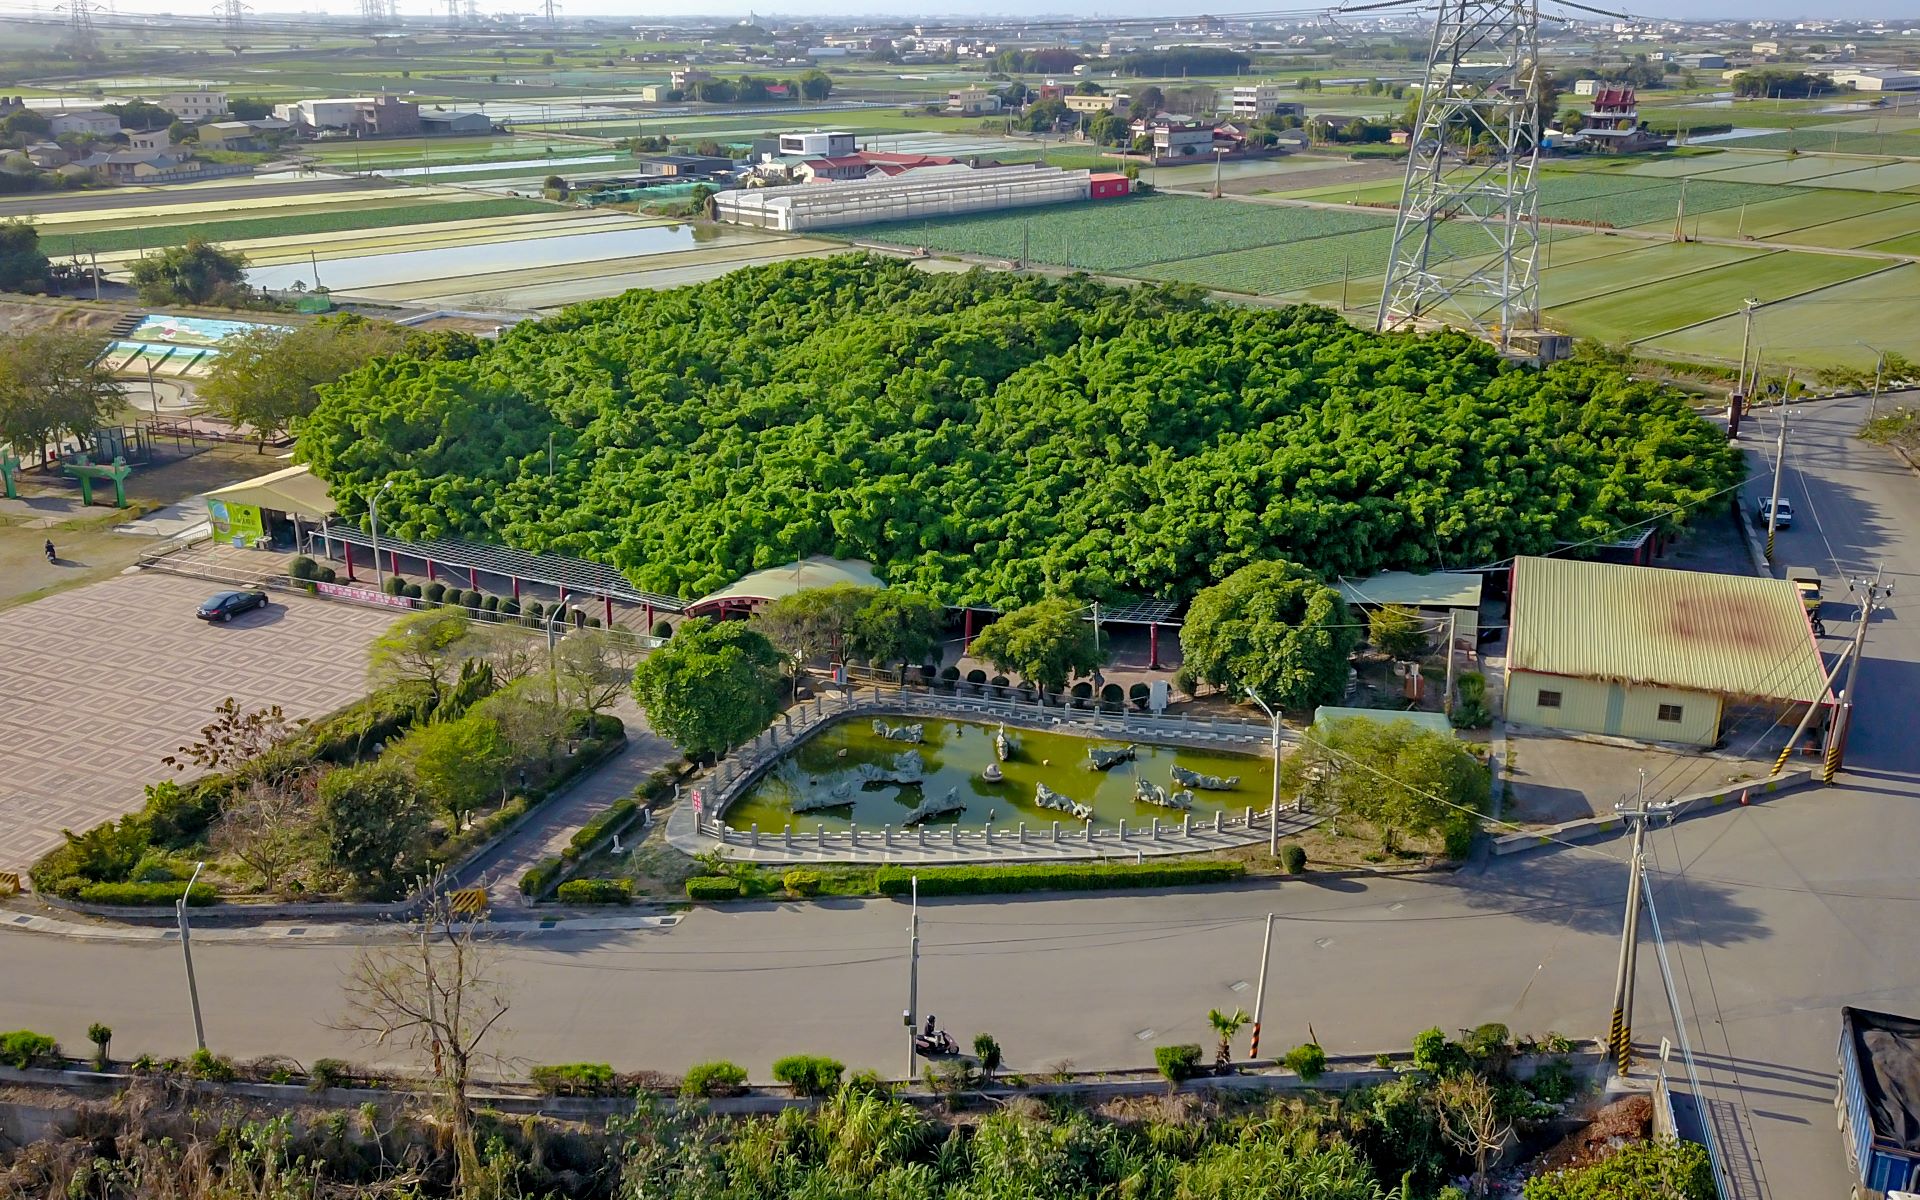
1853 647
1273 806
186 951
373 511
1260 989
1879 375
912 1014
1740 391
1779 461
1620 1036
1680 213
1870 591
1216 173
1446 701
95 256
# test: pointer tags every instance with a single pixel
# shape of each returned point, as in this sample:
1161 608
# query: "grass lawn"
236 229
1642 313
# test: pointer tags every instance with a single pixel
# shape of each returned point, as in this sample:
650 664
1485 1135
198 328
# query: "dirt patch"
1626 1120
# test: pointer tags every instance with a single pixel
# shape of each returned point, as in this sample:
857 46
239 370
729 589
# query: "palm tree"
1226 1025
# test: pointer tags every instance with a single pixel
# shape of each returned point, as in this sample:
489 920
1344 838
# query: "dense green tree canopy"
1400 777
994 438
1048 642
196 273
1272 629
265 376
712 687
52 385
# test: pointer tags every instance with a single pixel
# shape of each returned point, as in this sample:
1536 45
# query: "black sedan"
227 605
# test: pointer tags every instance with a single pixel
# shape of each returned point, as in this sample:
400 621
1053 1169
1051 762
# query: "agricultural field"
1641 313
1829 327
327 220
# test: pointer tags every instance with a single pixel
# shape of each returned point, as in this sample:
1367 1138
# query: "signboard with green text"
235 524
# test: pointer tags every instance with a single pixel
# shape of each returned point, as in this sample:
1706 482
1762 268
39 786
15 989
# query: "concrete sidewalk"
548 832
312 931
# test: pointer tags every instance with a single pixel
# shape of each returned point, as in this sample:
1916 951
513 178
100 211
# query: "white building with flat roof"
928 192
818 144
200 104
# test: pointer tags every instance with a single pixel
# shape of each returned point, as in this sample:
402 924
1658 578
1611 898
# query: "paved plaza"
102 681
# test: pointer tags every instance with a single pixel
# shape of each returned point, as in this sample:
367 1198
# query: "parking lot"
104 680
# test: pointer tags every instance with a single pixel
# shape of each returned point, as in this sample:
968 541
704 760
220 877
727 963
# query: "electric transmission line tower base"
1469 229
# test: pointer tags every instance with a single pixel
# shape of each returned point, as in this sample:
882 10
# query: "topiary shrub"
301 567
539 875
1138 693
1082 690
1000 681
595 891
719 1078
24 1048
490 603
949 673
1111 697
469 600
593 622
573 1079
394 586
663 629
434 592
801 882
327 575
1177 1063
976 677
509 607
1186 682
809 1074
713 887
413 591
1309 1062
1293 857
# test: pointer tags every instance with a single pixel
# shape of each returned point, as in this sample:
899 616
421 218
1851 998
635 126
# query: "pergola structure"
464 563
1126 611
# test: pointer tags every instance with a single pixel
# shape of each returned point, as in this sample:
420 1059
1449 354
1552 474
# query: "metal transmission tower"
393 12
232 14
552 8
373 12
453 12
1469 229
473 12
80 40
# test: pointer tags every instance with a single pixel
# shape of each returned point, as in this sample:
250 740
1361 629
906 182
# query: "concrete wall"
1615 709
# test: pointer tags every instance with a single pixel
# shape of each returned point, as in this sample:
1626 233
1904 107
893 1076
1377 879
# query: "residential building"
1442 597
1585 87
388 116
972 101
368 116
229 135
1611 123
1878 79
1766 48
685 79
439 123
1258 101
200 104
917 195
318 114
83 120
1702 62
684 166
818 144
870 164
1653 654
48 155
1116 103
154 141
1176 136
1108 185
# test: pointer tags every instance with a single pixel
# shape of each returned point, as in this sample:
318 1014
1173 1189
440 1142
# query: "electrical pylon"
80 40
373 12
1469 227
473 12
232 14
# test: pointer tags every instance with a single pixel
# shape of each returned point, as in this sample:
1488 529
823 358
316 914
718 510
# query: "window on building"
1549 699
1670 712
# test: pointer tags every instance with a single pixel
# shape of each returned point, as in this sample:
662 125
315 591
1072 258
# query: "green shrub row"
615 815
573 1079
713 887
596 891
24 1048
1177 1062
1031 877
809 1074
718 1078
147 895
539 876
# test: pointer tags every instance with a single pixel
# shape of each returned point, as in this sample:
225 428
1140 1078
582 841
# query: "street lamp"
373 509
1879 372
1273 808
186 950
553 675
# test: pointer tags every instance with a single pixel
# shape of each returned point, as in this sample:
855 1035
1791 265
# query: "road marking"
1323 943
1146 1035
1238 985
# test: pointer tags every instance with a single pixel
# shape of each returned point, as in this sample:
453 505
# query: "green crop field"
1797 208
1667 264
241 228
1808 170
1825 328
1893 177
1868 229
1637 314
1120 235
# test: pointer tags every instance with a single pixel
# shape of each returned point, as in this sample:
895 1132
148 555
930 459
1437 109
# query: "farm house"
932 192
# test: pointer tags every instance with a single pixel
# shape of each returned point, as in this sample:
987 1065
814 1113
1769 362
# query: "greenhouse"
926 193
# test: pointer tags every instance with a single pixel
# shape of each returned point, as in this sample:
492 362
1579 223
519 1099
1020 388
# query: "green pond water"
954 755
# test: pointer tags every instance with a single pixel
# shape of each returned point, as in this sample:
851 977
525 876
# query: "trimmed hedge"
1177 1063
539 876
613 816
573 1079
1034 877
713 887
595 891
146 895
24 1048
809 1074
717 1078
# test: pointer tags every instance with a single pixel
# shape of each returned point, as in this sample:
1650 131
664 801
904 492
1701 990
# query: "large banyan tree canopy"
990 438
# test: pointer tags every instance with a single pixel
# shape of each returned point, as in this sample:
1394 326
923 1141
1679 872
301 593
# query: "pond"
479 258
874 781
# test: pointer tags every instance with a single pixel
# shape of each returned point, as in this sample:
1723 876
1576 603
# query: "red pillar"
473 578
429 570
646 612
393 557
516 589
346 549
609 603
966 637
1153 647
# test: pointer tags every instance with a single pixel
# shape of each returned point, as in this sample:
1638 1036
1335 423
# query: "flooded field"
380 270
869 779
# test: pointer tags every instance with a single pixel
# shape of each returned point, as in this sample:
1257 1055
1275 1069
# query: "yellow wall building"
1652 654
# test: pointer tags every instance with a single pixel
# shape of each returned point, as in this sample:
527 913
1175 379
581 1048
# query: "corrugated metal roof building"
1651 653
1436 594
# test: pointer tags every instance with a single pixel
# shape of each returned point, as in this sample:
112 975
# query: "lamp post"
1273 807
553 675
373 510
186 950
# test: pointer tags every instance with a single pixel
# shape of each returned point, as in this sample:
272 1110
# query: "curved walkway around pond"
733 775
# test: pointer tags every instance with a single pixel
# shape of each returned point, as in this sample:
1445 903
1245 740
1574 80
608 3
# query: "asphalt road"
1773 916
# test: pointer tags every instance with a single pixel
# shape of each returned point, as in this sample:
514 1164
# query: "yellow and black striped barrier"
1618 1040
9 884
1832 765
469 902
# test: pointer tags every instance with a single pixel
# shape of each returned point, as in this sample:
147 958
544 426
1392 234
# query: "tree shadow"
1586 893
